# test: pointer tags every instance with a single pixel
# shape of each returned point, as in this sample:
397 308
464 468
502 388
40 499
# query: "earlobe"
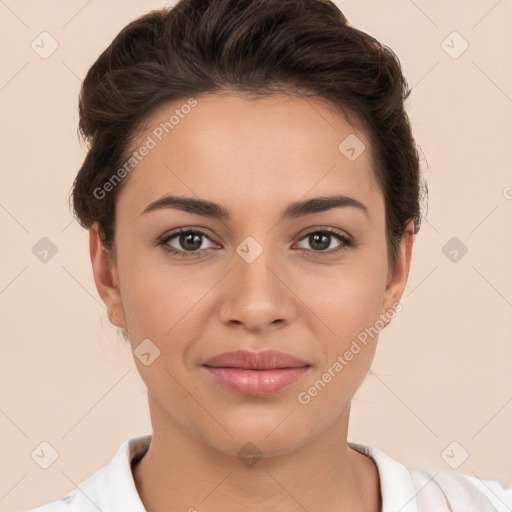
114 320
105 277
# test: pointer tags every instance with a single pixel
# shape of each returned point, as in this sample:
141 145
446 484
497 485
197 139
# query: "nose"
256 295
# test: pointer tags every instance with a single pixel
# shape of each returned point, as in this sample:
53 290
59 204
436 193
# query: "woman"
252 190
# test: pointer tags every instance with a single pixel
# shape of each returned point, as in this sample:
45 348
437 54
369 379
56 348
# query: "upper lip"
266 360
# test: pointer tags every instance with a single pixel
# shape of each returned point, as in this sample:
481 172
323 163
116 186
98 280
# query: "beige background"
442 369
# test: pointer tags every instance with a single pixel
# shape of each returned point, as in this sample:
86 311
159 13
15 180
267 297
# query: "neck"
181 472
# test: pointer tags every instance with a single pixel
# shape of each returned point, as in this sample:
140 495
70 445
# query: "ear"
106 278
397 276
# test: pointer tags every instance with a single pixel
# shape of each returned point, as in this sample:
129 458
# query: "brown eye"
186 242
321 240
190 241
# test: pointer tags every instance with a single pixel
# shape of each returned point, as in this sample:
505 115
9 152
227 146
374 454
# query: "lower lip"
256 382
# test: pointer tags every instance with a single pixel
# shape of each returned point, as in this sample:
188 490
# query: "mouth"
256 373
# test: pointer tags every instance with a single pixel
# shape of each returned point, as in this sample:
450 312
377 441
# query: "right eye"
190 241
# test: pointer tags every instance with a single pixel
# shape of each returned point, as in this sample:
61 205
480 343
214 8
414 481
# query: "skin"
253 157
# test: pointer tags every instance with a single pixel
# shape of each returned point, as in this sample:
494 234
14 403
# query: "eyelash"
163 241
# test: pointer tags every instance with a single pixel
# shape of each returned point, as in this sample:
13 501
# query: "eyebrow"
216 211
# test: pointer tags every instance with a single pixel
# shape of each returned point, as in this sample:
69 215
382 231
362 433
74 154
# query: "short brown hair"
257 47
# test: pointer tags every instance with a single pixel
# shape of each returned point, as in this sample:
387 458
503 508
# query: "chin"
265 436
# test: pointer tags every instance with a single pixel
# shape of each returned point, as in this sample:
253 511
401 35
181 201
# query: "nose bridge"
256 262
256 296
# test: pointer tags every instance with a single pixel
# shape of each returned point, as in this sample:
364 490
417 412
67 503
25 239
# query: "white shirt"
112 488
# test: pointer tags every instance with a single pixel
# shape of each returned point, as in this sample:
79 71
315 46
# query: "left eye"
322 240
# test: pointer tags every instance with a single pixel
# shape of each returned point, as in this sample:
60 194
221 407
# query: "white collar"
397 487
112 488
396 484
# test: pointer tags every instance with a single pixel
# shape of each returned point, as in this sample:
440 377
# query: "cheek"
344 300
160 304
155 294
349 307
165 309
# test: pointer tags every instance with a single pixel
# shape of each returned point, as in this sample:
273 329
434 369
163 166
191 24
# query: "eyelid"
346 241
334 231
165 238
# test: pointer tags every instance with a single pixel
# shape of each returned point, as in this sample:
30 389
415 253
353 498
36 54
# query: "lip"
256 382
266 360
256 373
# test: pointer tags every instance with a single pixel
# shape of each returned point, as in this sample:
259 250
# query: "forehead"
248 152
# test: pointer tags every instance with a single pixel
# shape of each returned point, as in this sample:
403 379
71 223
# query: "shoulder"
437 487
83 498
110 488
70 503
420 489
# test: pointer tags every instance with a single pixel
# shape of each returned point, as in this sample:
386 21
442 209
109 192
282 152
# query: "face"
266 275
